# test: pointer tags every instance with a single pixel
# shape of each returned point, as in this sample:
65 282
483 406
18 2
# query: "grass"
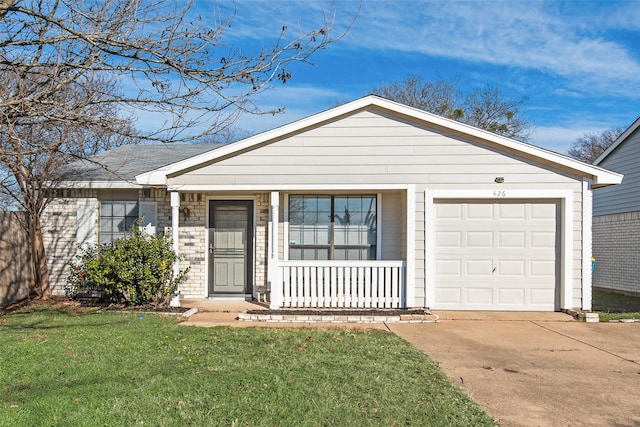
62 367
614 306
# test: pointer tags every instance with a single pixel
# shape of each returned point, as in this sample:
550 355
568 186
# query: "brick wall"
60 226
616 247
59 223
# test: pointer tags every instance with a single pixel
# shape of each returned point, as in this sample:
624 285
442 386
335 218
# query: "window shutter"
149 214
87 211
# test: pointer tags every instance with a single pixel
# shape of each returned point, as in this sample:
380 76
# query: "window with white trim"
332 227
116 219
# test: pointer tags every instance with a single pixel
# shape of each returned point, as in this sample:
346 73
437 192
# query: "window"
116 218
323 227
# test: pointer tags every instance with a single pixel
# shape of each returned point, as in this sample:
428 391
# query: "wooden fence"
16 268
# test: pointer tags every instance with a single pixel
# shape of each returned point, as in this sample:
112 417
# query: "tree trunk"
42 285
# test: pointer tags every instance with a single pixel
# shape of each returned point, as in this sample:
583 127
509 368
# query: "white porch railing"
341 284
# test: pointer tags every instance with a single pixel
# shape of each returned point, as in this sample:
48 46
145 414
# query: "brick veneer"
60 222
616 247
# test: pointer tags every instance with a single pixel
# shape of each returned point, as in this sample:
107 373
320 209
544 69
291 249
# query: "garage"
496 255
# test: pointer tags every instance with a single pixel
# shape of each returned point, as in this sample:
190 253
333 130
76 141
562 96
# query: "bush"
136 270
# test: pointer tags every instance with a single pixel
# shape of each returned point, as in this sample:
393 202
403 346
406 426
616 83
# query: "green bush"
136 270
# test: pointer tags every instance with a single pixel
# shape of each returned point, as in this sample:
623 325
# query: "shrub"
136 270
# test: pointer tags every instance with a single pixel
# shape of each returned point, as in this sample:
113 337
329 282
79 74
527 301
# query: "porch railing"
341 284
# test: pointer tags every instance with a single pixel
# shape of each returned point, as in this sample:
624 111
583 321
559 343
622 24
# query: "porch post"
409 276
274 268
175 224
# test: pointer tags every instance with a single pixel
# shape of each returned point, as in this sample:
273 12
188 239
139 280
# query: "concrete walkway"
524 369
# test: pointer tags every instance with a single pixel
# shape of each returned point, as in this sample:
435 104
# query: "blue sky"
576 63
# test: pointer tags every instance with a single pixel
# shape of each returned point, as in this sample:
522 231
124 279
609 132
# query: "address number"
499 193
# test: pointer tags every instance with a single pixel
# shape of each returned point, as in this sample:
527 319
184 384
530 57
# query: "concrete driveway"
528 369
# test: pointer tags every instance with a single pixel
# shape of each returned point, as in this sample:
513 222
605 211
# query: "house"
370 204
616 217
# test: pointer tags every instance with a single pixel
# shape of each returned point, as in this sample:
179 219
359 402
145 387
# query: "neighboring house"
369 204
616 217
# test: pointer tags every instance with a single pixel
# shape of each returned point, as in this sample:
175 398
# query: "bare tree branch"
484 108
64 65
589 146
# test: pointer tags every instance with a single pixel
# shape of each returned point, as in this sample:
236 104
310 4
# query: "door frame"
250 267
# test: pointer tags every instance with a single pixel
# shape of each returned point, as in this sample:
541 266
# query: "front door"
230 247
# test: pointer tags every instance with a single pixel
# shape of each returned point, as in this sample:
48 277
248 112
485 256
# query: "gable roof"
119 167
599 176
623 136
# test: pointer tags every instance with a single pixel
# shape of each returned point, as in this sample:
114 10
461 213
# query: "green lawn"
613 306
86 368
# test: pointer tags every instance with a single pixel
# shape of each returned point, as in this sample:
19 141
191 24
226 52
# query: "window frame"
129 220
373 248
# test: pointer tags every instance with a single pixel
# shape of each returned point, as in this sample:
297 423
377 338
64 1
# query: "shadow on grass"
611 302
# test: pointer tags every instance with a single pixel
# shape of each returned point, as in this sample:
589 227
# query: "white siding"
625 197
369 148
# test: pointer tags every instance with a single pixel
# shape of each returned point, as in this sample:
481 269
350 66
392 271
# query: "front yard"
72 367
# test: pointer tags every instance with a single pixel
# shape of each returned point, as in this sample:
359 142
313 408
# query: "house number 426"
499 193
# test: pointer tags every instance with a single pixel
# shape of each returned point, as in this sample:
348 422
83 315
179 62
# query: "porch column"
272 265
175 233
410 273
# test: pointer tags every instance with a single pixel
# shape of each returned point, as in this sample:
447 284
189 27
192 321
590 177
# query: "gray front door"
230 247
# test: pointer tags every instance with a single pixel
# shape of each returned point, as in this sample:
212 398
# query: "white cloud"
531 35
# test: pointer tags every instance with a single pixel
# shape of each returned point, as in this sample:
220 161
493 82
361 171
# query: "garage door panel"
448 239
479 239
543 211
512 268
542 268
478 267
512 211
448 267
541 296
503 257
510 296
543 240
479 295
512 239
449 296
479 211
447 211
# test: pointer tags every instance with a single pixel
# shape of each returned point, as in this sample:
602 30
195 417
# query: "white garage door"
496 256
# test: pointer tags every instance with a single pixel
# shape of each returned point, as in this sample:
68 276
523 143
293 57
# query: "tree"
485 108
589 146
63 64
